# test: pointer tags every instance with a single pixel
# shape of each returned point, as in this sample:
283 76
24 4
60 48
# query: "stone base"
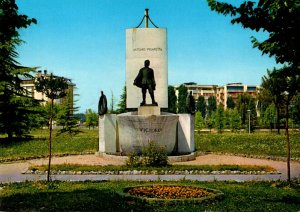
136 131
108 133
186 143
148 110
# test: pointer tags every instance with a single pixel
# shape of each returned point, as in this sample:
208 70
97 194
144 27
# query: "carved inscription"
147 49
150 130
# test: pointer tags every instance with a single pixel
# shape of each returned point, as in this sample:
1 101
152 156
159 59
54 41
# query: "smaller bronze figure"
190 103
145 80
102 104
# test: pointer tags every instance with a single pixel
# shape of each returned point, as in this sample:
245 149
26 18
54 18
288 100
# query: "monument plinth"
136 131
148 110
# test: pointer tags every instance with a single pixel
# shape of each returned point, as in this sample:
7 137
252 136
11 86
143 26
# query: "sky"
84 40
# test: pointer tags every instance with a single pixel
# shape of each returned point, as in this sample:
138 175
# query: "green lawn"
105 196
258 143
87 141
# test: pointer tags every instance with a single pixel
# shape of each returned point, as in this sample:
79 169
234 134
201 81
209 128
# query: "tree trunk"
288 141
50 141
277 120
9 136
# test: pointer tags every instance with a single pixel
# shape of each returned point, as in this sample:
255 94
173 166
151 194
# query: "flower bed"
172 193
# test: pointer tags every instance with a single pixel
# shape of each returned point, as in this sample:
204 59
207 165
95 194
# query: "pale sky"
84 40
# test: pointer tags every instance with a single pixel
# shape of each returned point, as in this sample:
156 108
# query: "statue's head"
147 63
101 93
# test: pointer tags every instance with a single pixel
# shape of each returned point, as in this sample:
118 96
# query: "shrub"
134 160
152 155
155 155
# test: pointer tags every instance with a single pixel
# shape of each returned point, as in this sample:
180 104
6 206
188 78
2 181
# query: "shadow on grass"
77 200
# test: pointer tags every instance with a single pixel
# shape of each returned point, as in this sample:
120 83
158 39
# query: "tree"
234 119
91 118
286 88
182 94
269 116
15 105
212 105
122 103
253 115
201 106
66 118
219 119
242 106
172 100
272 84
54 88
295 110
199 121
112 103
230 102
291 88
279 18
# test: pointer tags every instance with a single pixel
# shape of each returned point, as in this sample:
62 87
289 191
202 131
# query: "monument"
147 92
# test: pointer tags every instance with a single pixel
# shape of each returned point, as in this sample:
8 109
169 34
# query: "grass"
106 196
258 143
87 141
171 168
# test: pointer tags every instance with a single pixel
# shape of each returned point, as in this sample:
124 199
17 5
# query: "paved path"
12 172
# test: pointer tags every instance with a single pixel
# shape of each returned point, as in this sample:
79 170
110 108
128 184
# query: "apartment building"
220 92
199 90
28 84
234 90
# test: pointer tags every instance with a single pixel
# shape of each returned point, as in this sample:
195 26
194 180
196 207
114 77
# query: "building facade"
28 84
221 93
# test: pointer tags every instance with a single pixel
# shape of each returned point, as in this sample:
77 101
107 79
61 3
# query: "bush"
152 155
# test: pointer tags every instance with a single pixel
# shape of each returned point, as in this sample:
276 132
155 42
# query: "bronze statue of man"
145 80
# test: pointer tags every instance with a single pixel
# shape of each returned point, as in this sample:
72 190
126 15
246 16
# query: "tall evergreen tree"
242 106
112 103
172 100
121 107
14 102
234 119
219 119
199 121
230 102
201 106
212 105
182 94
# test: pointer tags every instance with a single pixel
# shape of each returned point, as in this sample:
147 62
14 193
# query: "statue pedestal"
136 131
129 132
148 110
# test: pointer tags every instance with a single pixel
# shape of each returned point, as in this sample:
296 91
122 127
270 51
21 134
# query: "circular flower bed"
172 192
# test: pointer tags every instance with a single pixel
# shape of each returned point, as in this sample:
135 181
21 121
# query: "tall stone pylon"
146 44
